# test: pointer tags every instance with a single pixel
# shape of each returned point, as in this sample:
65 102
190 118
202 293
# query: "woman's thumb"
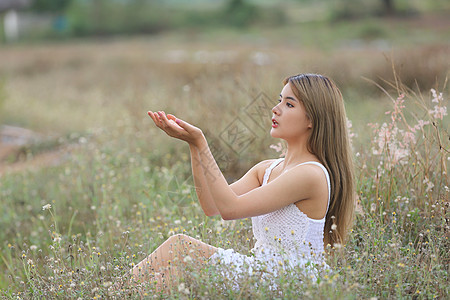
185 125
180 122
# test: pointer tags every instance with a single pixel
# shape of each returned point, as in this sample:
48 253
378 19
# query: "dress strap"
270 168
326 175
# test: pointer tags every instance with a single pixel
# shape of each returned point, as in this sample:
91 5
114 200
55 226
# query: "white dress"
286 238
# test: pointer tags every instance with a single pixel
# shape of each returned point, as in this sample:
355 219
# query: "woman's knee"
178 238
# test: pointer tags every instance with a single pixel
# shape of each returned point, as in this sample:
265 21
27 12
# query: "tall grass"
74 230
120 187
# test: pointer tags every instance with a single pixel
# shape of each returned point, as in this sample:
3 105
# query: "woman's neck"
297 153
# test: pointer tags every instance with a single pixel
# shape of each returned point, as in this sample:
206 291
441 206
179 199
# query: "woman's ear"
310 125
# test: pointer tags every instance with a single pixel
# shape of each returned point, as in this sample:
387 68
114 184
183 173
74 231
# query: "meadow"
100 187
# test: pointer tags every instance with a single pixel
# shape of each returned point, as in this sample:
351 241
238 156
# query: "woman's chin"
273 133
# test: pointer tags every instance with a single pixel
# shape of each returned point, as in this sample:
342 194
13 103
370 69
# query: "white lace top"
284 238
289 230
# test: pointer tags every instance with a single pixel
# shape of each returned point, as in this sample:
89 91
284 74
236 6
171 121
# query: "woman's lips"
274 123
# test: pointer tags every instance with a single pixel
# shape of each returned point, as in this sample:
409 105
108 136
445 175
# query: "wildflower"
33 247
438 112
279 148
182 289
436 98
337 245
46 207
429 184
333 227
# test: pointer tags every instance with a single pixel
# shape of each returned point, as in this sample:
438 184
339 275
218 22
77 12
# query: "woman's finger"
151 115
154 118
163 118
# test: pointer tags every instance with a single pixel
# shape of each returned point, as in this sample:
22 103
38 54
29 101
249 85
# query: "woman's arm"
299 183
245 184
248 182
201 186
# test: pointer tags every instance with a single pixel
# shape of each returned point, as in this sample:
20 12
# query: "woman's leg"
165 264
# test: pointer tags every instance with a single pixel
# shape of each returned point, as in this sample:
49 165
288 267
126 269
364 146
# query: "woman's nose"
275 109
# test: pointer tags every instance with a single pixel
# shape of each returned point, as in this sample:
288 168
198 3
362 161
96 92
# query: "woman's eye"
289 105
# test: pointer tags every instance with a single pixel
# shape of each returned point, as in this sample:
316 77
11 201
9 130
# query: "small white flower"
187 259
333 227
337 245
46 207
182 288
373 207
33 247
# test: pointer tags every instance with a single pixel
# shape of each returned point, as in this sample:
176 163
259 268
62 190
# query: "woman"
297 203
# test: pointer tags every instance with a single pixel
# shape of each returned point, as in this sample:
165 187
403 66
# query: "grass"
121 187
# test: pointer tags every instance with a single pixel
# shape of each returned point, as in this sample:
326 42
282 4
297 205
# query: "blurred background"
70 67
78 76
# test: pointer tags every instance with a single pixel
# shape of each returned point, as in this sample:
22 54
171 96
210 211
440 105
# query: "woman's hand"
177 128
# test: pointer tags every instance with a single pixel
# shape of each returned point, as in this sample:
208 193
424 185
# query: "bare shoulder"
311 173
260 168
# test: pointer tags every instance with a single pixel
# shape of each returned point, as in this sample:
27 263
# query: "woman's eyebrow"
290 98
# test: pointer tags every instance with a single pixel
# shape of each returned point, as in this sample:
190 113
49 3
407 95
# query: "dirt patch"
13 155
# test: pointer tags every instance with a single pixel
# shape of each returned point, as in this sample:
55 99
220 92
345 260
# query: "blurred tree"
389 8
240 13
50 5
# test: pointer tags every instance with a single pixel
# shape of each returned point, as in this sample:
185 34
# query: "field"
95 187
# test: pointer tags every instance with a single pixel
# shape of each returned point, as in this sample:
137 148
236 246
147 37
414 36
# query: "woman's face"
289 120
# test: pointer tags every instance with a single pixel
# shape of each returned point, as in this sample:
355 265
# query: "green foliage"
239 13
103 17
372 30
57 6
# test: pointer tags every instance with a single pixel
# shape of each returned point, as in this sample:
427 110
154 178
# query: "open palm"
176 128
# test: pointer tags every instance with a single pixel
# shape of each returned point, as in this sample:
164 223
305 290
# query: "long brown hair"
329 141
